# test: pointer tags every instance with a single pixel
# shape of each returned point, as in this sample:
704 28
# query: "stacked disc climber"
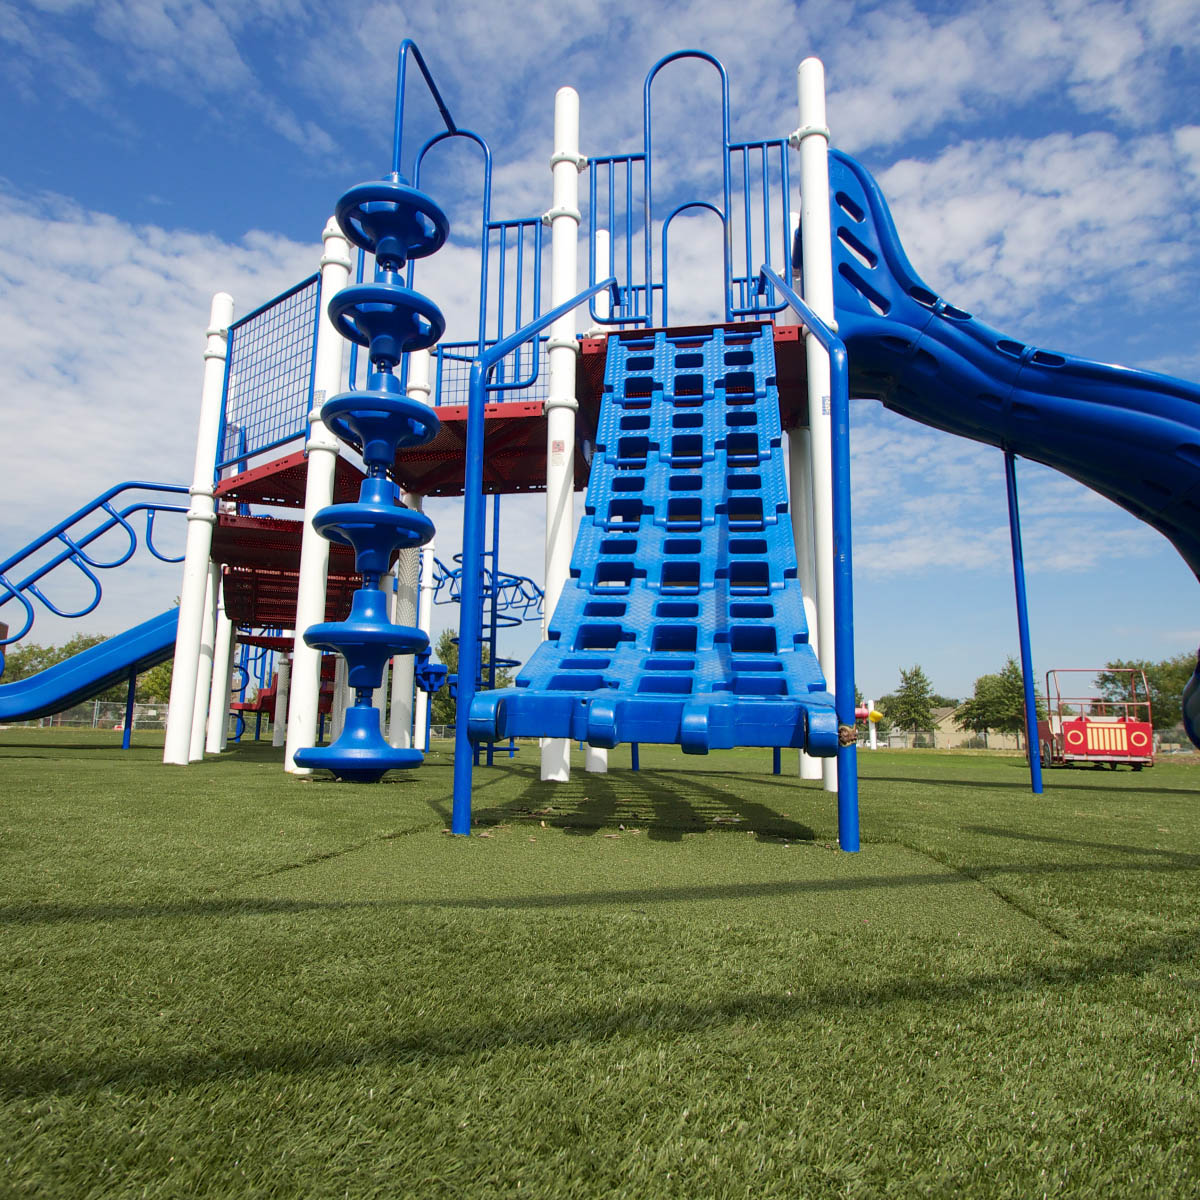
396 223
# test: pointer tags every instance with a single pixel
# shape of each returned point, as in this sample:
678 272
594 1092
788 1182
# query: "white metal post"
800 505
204 664
233 649
603 301
561 404
222 673
322 448
813 140
201 518
425 624
283 683
342 698
404 612
408 572
871 725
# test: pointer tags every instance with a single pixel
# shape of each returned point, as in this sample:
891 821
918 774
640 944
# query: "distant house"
947 736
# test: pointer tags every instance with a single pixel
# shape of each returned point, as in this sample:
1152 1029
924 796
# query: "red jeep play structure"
1087 728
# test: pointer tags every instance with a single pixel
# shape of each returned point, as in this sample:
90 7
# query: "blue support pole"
470 623
633 756
843 580
127 732
1032 741
776 761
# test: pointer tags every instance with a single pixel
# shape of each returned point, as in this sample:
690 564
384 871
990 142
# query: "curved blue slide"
1133 436
91 671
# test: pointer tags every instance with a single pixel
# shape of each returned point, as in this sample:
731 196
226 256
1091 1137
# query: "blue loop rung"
392 220
387 318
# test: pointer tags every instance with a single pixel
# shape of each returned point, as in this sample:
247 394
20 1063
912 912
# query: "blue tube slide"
91 671
1133 436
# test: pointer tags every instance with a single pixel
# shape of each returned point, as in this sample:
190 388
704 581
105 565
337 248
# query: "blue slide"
1130 435
91 671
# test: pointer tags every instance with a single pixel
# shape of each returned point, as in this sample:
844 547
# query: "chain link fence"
99 714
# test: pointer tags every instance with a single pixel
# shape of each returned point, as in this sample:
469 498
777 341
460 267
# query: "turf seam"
1005 898
326 856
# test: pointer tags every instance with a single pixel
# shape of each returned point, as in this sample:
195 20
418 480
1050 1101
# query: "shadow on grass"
1185 861
52 914
1007 785
667 804
438 1039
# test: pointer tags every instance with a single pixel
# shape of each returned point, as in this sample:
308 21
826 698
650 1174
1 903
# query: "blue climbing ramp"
683 620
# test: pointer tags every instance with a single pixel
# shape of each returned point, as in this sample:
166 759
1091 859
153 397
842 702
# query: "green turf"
218 981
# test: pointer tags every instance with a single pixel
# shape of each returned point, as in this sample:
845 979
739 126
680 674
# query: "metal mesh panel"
451 371
268 384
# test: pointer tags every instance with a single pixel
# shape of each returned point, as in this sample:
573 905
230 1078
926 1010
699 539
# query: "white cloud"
1013 228
101 337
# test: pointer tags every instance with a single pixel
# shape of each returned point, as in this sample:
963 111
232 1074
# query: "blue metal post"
633 756
843 579
776 761
130 695
1032 741
470 622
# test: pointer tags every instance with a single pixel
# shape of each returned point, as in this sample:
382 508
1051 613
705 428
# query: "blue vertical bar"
470 598
130 695
776 761
843 578
1032 741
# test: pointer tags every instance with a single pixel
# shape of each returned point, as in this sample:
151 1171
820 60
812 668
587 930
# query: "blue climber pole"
471 588
1032 741
843 579
396 223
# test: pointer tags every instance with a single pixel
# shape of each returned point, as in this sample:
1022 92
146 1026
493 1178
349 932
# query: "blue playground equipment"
396 223
75 543
1130 435
683 621
91 671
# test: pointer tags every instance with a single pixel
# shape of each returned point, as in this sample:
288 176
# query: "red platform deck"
281 482
262 554
261 557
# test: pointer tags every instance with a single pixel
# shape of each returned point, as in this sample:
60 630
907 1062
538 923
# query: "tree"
999 703
446 650
154 685
1166 680
910 707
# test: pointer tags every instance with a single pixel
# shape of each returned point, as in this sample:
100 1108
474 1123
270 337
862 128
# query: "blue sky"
1042 160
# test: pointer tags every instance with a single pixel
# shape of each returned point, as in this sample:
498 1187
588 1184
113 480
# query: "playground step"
683 621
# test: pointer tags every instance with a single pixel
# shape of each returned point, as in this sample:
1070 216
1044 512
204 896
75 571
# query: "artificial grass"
221 981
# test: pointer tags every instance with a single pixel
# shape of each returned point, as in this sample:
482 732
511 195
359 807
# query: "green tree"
154 685
446 651
999 703
910 707
1166 680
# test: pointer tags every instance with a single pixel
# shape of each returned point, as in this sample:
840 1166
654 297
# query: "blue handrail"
471 612
74 549
843 580
406 47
